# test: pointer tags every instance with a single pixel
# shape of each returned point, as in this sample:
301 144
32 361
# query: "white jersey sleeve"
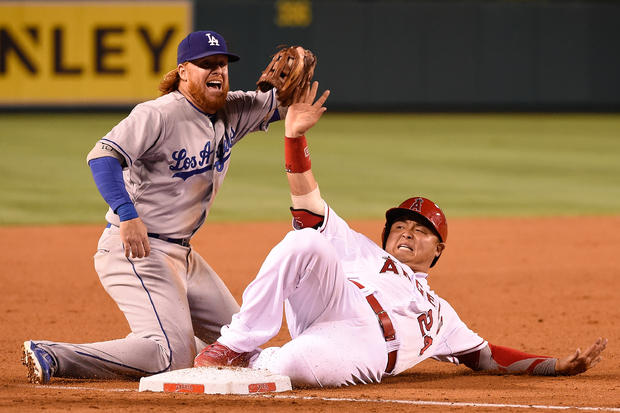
457 339
336 228
362 259
354 248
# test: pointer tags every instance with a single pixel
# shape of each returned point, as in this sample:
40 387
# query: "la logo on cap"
201 44
212 40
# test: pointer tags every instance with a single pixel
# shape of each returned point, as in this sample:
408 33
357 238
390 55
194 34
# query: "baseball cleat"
218 355
41 365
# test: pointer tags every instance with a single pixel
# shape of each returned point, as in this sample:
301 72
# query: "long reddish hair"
170 82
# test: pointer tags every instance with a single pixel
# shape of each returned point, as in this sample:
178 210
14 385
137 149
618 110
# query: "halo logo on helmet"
419 207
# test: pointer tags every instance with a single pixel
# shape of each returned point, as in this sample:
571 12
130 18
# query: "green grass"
44 178
471 165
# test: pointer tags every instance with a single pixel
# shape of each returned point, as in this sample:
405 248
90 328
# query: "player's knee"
296 367
286 361
306 242
175 357
162 359
182 359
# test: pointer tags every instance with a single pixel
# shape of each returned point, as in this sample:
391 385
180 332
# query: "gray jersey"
177 156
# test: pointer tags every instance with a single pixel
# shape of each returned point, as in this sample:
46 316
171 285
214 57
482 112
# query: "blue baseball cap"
201 44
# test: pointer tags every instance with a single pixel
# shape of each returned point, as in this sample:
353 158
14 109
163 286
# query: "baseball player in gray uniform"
357 311
159 170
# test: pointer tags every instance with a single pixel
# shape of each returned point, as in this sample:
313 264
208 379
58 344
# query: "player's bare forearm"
135 239
504 360
301 183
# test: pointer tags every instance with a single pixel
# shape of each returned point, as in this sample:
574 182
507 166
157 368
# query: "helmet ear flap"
443 246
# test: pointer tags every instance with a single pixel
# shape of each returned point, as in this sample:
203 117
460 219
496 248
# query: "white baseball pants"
336 338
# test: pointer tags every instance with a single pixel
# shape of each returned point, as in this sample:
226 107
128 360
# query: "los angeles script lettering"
202 161
184 162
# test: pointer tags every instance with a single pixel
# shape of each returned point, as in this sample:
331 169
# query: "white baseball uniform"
336 335
176 158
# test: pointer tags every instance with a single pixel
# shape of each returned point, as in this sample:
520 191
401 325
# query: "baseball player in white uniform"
356 311
159 170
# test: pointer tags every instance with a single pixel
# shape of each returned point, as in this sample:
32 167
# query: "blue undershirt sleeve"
108 175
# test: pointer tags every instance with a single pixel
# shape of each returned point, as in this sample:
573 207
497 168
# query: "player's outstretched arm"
301 116
505 360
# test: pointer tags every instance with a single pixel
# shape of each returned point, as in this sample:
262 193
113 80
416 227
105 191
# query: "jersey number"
426 322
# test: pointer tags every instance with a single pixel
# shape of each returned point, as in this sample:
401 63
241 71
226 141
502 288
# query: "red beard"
206 100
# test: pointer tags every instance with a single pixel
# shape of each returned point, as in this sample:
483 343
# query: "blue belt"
184 242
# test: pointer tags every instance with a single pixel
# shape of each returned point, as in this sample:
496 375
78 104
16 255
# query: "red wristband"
296 155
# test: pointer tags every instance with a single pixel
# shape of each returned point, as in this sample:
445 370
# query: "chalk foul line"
378 401
449 404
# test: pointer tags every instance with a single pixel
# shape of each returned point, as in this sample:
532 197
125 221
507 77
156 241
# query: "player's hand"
580 362
135 238
305 113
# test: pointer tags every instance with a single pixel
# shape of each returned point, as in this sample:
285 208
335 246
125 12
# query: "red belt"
386 326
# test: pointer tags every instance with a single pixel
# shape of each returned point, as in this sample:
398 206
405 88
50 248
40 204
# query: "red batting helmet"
419 207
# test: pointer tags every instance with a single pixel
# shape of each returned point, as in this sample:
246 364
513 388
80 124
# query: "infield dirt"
542 285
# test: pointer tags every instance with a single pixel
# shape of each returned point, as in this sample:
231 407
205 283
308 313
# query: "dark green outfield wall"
466 55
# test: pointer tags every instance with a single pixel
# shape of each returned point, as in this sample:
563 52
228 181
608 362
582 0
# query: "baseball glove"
290 72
